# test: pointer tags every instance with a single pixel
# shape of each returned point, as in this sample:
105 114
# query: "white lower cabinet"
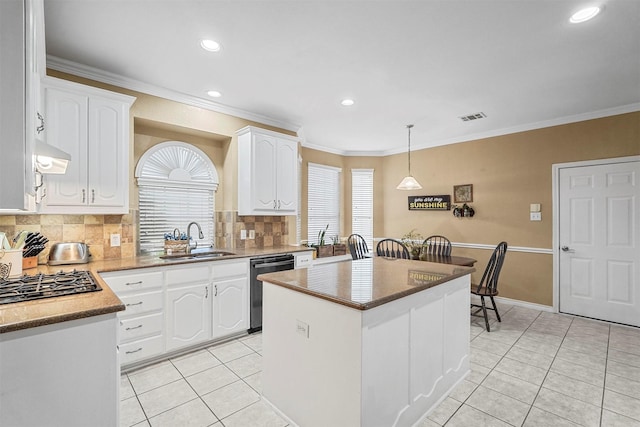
173 307
188 315
230 307
231 297
142 323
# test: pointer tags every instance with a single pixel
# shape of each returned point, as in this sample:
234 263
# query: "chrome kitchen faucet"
200 235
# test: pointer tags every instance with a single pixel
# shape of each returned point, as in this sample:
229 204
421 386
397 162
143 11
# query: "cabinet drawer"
133 280
229 270
141 303
194 273
141 326
141 349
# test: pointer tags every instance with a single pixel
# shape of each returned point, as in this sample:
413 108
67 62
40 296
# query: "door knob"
566 249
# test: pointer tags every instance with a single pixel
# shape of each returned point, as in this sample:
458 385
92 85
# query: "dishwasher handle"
273 264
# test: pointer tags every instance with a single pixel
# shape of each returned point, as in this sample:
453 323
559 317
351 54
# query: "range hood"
49 159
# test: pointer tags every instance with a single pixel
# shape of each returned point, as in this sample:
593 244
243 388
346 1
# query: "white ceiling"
422 62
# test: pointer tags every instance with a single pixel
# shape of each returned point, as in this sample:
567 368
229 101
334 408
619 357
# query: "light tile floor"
533 369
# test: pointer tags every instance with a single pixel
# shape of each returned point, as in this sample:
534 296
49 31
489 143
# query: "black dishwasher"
262 265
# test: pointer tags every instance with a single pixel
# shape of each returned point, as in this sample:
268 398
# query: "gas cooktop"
27 288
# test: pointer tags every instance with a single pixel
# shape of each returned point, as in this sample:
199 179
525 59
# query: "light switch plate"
536 216
243 234
302 328
115 240
252 234
534 207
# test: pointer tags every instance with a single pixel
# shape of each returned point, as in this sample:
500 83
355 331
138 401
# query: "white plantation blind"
176 186
323 201
164 208
362 204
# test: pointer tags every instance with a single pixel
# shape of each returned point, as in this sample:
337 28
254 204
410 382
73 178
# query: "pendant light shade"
409 182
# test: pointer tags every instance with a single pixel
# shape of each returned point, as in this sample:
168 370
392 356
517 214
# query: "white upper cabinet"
22 65
267 173
92 125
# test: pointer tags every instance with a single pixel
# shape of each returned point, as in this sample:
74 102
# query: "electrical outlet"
243 234
302 328
115 240
252 234
535 216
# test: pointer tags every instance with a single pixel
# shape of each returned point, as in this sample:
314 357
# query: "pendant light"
409 182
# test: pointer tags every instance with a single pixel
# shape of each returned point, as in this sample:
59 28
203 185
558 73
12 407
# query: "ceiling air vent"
471 117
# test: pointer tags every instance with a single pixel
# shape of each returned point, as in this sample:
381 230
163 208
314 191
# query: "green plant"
413 241
321 235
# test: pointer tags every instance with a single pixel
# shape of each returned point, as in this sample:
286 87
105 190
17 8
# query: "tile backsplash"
96 230
269 231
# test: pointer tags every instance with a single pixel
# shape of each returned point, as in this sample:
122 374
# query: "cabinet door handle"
206 291
135 327
84 195
133 283
40 128
274 204
278 204
93 195
133 351
132 304
216 288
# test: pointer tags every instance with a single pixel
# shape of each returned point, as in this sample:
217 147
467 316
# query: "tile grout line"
547 374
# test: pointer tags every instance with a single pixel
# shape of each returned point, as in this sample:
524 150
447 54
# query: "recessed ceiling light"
214 94
347 102
210 45
584 15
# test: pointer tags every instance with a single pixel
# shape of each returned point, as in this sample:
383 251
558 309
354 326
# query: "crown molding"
614 111
80 70
92 73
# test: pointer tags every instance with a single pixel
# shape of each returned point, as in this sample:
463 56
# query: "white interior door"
599 238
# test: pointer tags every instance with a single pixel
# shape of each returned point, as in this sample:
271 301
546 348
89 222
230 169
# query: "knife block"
30 262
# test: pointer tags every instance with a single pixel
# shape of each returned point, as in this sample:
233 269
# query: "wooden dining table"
443 259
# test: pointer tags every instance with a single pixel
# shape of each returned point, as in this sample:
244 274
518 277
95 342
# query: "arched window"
176 185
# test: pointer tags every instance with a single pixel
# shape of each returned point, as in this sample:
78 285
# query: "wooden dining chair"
358 247
488 286
436 245
392 248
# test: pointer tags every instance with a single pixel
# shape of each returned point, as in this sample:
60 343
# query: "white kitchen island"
373 342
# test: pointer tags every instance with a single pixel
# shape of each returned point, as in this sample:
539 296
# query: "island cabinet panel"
65 374
389 365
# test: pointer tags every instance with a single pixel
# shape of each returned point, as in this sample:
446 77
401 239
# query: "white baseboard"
519 303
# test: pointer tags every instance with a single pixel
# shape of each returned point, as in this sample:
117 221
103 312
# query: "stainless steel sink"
198 254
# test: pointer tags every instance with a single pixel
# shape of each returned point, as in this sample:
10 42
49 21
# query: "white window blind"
323 202
162 209
362 204
176 186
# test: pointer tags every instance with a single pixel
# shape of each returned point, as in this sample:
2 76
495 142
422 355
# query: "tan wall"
508 173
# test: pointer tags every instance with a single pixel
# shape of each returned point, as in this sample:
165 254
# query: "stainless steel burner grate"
27 288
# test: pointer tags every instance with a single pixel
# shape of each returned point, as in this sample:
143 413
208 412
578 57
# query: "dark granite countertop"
366 283
29 314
